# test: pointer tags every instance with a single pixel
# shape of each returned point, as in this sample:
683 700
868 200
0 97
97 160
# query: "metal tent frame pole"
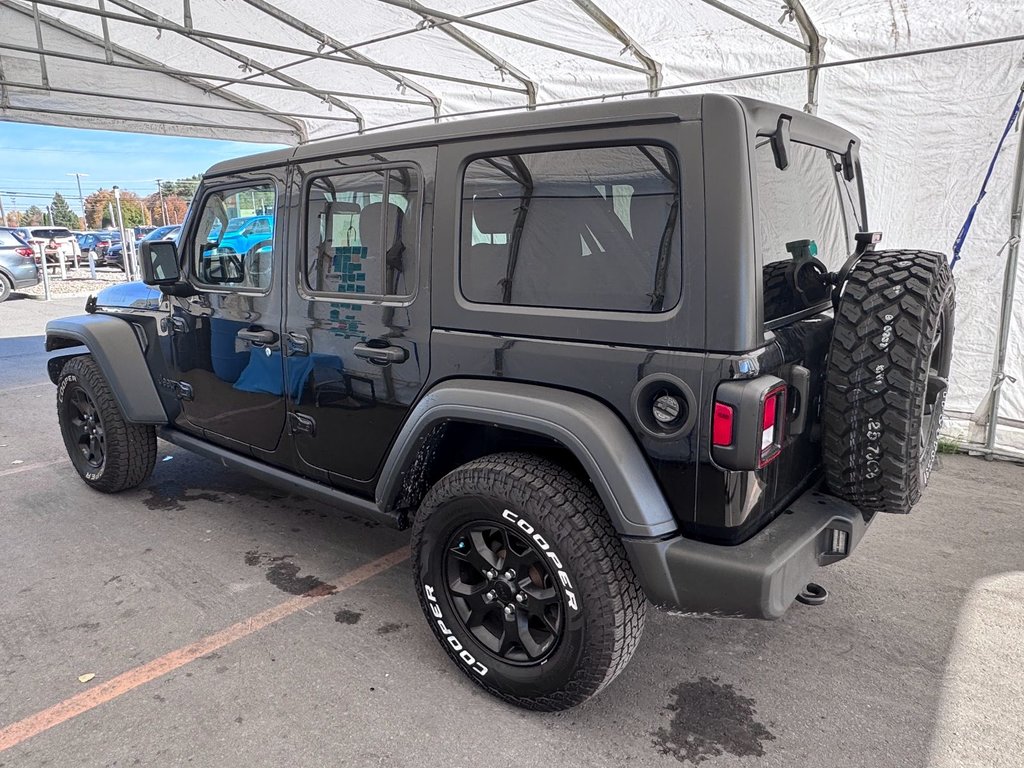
1009 288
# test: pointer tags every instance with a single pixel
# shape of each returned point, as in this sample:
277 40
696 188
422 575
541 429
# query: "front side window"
234 242
361 233
590 228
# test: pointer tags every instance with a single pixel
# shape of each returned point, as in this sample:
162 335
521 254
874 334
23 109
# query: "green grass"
948 445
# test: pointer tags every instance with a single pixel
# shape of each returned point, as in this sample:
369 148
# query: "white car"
56 242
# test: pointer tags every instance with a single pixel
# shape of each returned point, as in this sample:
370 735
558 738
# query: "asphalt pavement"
181 600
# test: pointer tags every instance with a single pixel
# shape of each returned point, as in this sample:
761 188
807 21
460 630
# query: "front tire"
108 452
524 582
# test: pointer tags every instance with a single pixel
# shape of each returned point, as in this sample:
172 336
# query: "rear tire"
108 452
5 289
563 625
886 379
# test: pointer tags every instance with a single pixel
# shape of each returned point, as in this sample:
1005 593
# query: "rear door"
226 358
358 308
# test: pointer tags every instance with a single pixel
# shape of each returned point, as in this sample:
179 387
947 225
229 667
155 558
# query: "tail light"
747 422
26 253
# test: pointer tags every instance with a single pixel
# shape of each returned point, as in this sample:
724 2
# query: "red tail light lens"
722 425
25 253
771 426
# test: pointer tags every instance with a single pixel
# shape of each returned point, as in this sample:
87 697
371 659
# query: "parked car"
57 243
96 243
115 254
556 346
17 263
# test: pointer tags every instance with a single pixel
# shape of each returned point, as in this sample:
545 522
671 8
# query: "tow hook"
813 594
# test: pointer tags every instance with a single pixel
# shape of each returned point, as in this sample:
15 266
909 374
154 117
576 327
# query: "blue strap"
959 242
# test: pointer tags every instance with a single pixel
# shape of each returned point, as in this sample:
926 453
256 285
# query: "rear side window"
590 228
10 240
361 233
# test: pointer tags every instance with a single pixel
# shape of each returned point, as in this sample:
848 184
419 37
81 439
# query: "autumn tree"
62 214
99 204
13 219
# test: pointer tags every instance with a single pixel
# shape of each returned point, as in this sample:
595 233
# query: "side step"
282 479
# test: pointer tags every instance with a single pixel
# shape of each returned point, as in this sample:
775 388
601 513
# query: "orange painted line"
32 466
33 725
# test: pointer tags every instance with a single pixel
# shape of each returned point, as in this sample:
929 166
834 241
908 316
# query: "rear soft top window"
807 211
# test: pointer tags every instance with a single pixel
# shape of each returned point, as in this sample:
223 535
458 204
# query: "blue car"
244 232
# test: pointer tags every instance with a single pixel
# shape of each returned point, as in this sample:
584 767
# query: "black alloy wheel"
504 592
86 425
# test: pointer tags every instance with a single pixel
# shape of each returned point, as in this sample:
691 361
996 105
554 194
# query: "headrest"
371 220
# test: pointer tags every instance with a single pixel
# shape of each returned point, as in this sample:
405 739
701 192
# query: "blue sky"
34 161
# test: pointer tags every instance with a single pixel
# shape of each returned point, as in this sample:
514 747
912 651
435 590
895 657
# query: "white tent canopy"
289 71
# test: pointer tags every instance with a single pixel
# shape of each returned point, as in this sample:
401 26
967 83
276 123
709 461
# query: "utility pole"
163 205
78 177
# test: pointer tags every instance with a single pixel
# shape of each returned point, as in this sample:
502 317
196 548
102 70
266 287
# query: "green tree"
63 216
32 217
183 188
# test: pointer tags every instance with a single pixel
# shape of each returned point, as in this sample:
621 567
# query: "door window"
234 242
361 234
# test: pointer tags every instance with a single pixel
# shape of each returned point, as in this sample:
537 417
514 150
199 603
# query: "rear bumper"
759 578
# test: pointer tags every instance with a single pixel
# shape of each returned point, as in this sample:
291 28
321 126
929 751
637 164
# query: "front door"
226 338
358 320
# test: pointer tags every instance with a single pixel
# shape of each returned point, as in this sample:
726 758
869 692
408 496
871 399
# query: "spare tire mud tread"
874 453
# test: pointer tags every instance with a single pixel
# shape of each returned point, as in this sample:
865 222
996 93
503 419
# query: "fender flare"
115 347
589 429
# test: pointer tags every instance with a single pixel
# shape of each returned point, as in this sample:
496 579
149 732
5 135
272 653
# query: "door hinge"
300 423
181 389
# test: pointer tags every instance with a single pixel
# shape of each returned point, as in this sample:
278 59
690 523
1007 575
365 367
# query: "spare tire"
886 378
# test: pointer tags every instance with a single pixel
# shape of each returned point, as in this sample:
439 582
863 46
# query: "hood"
134 295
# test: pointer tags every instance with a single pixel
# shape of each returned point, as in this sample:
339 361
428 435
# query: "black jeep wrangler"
593 357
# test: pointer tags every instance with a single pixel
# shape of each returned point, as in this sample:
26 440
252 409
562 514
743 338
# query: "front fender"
115 347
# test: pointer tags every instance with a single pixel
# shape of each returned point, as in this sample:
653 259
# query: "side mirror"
160 263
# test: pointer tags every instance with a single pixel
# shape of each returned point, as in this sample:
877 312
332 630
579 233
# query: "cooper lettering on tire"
524 582
886 380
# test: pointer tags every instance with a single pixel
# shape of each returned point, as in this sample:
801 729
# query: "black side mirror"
160 263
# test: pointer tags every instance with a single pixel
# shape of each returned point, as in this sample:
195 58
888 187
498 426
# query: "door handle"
257 336
379 352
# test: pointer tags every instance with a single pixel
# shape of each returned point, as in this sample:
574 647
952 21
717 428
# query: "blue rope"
959 242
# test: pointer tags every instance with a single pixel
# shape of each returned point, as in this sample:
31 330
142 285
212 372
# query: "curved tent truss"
926 85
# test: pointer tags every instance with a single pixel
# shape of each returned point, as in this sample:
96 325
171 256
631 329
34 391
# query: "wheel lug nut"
510 574
521 597
491 595
509 610
491 574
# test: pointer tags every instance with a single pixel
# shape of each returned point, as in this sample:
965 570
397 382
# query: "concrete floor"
916 660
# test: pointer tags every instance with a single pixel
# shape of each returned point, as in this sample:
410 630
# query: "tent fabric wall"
287 71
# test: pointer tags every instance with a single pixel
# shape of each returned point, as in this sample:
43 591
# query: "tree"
13 219
99 204
63 216
183 188
32 217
